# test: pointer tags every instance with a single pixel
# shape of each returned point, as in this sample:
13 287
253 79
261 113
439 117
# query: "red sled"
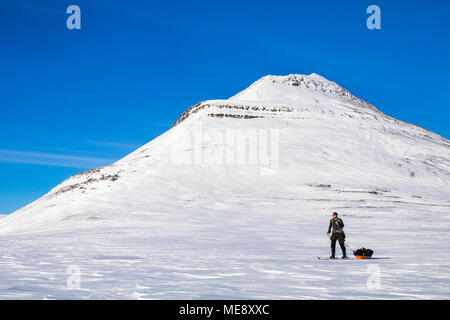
363 253
363 257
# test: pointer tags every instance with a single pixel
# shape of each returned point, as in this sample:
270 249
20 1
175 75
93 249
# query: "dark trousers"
338 236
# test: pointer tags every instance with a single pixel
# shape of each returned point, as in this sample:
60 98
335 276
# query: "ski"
325 258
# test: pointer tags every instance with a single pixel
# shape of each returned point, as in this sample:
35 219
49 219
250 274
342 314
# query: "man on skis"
337 226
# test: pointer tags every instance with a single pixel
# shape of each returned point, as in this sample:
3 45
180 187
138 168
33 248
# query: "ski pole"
348 247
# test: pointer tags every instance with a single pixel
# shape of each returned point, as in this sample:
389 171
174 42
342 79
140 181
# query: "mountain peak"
290 92
293 78
295 89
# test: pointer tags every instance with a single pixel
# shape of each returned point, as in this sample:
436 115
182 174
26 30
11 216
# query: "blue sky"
76 99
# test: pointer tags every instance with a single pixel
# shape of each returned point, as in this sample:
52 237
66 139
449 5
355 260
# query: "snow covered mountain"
239 191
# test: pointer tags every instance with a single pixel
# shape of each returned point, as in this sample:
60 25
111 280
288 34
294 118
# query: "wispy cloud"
117 145
53 159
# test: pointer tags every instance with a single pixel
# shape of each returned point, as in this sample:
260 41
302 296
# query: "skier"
337 235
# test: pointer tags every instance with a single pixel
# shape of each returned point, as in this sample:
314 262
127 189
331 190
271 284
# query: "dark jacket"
337 225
